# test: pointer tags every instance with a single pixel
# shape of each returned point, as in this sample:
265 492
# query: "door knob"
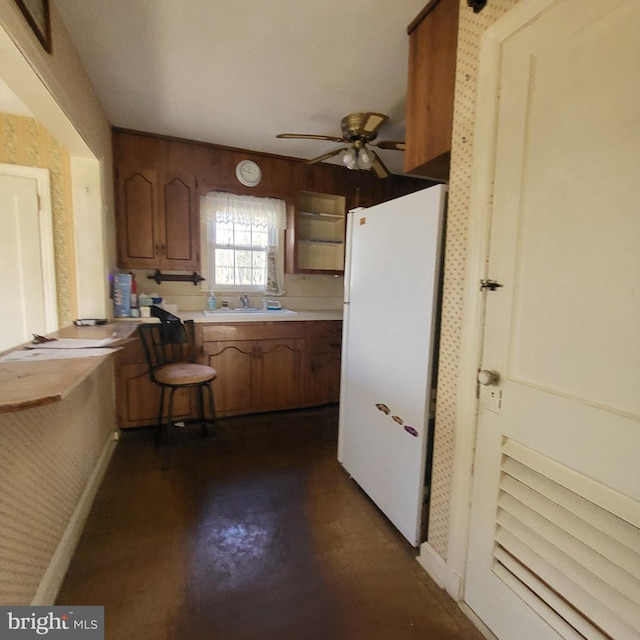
486 377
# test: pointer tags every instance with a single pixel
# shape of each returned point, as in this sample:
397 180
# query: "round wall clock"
249 173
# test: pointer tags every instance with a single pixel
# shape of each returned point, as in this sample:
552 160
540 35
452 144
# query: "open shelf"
320 233
328 216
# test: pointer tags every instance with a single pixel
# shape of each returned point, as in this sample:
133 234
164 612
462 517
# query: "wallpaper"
47 457
24 141
471 27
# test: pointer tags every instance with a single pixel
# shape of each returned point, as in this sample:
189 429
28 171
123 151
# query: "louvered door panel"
569 546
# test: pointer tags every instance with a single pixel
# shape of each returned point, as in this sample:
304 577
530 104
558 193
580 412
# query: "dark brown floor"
257 535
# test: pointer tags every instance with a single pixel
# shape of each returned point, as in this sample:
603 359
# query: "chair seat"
183 373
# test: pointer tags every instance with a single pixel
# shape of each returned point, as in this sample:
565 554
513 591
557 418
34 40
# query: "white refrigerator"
391 290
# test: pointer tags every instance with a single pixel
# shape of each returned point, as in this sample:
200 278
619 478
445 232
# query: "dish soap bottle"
212 301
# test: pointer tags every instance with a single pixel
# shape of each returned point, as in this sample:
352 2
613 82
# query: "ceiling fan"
359 131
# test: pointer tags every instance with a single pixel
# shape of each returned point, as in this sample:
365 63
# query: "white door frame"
480 213
33 80
45 219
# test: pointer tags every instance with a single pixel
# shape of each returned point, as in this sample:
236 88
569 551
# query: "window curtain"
265 213
268 214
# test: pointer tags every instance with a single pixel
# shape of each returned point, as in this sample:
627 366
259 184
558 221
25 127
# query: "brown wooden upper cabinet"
157 220
433 38
159 182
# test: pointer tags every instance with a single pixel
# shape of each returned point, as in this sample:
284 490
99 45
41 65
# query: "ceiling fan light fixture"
359 130
366 158
350 158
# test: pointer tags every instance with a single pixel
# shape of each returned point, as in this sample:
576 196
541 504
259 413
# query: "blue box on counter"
121 295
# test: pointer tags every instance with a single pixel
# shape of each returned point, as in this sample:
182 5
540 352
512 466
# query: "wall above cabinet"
433 38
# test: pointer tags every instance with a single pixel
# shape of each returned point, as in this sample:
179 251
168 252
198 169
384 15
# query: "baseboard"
481 626
54 574
437 568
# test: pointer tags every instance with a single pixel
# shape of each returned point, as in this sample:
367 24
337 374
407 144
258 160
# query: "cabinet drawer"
252 331
332 328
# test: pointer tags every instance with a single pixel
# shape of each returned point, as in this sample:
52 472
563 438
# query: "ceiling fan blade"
371 122
396 145
326 156
379 168
309 136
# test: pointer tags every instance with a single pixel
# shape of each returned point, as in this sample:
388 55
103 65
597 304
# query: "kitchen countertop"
231 318
261 316
24 385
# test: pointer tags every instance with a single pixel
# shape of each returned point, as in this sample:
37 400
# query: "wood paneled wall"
283 177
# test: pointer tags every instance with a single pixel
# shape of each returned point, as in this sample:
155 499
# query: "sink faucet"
245 300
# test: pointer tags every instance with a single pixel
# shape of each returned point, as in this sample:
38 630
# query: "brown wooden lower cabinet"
138 398
256 375
262 366
324 344
233 388
271 366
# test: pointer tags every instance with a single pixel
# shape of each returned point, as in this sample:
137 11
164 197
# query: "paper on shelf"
72 343
31 355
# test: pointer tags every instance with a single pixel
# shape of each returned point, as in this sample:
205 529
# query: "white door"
555 526
394 255
27 286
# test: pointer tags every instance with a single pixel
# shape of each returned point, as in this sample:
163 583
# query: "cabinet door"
234 386
278 373
137 218
157 220
432 65
180 226
324 345
324 378
138 398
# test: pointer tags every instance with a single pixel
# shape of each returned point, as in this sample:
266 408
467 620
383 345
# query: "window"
242 241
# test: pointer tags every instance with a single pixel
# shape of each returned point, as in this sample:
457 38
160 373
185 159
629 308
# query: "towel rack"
160 277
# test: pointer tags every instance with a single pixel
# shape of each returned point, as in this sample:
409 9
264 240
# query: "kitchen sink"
242 311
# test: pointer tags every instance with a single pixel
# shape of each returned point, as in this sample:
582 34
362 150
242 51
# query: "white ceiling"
238 72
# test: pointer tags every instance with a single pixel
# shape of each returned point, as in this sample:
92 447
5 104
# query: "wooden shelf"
314 241
328 216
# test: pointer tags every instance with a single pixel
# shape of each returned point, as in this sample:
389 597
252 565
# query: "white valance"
263 213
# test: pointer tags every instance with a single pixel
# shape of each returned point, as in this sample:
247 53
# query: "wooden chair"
171 358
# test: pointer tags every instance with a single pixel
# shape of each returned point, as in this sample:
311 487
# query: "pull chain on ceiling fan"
359 130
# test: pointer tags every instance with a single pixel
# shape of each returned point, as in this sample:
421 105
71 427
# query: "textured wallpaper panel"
471 28
24 141
46 458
